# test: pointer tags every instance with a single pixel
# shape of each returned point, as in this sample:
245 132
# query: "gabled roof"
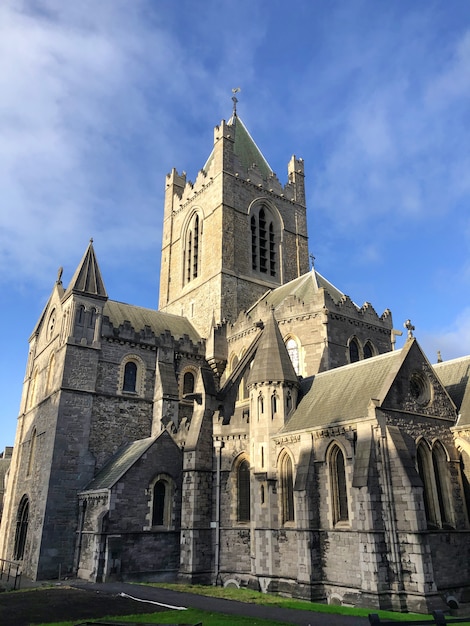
87 278
345 392
158 321
245 149
455 376
119 464
272 361
304 288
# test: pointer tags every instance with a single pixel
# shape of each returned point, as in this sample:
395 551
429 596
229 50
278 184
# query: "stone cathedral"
259 429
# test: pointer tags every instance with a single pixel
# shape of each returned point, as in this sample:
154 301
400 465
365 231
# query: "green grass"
193 616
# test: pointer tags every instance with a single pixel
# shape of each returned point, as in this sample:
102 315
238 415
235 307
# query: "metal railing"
11 572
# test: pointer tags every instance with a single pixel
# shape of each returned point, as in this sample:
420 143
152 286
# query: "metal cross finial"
235 100
312 260
409 327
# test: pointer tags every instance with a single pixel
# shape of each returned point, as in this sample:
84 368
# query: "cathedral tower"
233 234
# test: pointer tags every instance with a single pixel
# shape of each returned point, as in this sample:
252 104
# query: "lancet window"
263 242
192 249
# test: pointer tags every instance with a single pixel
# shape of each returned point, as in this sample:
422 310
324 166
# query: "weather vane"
234 99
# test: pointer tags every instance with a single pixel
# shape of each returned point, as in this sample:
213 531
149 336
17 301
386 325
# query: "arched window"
465 473
50 374
192 249
353 351
260 404
80 315
426 474
32 452
273 405
263 242
368 350
158 505
287 489
22 519
243 491
339 495
293 350
441 477
33 389
130 377
161 501
188 383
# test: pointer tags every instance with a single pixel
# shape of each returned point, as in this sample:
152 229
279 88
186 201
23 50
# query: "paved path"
218 605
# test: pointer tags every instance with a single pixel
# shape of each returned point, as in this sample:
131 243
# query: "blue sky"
99 100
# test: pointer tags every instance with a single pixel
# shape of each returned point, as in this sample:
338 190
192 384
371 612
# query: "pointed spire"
272 361
87 278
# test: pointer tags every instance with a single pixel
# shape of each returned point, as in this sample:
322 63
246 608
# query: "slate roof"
454 375
246 149
272 361
345 392
157 321
87 278
119 464
304 288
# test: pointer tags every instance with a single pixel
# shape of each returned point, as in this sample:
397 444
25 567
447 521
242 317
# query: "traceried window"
22 520
287 489
293 350
243 491
433 470
263 242
192 249
339 494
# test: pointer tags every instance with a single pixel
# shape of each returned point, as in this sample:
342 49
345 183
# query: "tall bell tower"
233 234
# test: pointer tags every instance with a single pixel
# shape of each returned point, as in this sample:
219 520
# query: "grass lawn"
193 616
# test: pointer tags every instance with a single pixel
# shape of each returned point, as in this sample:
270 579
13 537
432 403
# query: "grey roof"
272 361
345 392
454 375
119 464
304 288
246 149
159 322
87 278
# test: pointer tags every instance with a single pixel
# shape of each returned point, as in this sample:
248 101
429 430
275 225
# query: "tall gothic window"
425 473
243 491
263 242
465 473
441 476
339 495
32 452
293 350
434 472
287 489
22 520
192 249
